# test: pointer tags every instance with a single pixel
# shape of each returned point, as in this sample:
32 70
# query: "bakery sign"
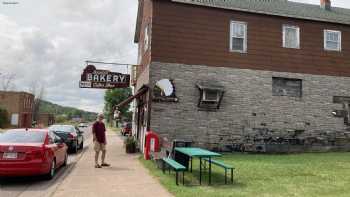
103 79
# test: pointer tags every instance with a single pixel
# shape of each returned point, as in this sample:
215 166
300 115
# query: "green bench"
221 164
177 168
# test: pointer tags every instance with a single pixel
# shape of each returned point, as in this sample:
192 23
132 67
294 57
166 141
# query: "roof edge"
262 12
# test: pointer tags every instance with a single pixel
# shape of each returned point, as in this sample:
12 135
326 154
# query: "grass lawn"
304 175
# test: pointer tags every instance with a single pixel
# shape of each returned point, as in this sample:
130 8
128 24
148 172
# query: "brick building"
19 106
45 119
218 71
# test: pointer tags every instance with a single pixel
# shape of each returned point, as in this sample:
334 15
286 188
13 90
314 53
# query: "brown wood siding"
199 35
145 57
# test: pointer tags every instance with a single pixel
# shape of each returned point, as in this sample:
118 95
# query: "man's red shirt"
99 129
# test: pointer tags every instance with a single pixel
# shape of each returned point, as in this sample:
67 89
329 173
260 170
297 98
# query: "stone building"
221 72
19 106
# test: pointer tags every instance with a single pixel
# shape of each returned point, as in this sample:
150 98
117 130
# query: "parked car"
31 152
83 125
126 128
71 135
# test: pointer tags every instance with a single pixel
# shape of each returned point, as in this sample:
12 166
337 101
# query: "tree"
113 98
7 81
38 90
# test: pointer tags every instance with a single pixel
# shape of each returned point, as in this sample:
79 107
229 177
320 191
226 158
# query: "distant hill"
65 112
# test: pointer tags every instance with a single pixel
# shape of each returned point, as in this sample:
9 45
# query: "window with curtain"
291 37
332 40
146 38
238 41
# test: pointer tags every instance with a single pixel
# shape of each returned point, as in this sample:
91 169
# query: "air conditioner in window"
210 96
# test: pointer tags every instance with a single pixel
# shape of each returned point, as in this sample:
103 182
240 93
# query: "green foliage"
311 175
130 144
113 98
3 118
61 118
65 113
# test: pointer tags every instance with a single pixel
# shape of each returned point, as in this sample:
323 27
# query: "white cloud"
49 42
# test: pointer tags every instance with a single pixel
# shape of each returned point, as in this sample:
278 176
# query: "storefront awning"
141 92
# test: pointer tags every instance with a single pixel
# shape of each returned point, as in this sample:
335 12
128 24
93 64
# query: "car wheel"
65 160
81 145
52 171
75 148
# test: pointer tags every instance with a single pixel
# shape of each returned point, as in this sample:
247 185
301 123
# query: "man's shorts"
99 146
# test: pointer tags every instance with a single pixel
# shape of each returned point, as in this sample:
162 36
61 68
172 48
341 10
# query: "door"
24 121
57 148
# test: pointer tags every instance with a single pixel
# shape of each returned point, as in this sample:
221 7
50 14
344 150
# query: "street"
38 186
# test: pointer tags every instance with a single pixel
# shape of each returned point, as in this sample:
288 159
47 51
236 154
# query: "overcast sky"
48 41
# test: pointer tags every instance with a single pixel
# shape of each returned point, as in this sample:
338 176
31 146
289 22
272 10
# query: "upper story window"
238 36
146 39
332 40
291 37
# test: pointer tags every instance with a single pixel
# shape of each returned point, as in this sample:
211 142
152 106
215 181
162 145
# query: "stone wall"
247 103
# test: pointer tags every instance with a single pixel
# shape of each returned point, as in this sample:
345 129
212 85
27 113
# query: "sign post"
103 79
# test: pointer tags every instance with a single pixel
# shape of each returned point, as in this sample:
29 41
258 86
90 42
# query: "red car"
31 152
126 129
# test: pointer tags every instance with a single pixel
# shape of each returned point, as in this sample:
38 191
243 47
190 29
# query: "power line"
110 63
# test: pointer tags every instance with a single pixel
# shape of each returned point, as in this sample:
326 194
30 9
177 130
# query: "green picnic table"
199 153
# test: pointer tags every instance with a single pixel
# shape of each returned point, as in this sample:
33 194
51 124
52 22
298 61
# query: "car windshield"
22 137
62 128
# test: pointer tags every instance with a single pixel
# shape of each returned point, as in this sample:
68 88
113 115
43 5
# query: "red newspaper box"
151 144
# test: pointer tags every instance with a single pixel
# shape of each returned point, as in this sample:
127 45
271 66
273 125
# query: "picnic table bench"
177 168
223 165
190 153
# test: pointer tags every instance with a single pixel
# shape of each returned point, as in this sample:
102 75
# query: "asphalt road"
37 186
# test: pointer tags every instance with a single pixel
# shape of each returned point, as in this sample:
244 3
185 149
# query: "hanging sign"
103 79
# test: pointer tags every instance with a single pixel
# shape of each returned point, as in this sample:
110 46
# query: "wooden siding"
144 57
197 35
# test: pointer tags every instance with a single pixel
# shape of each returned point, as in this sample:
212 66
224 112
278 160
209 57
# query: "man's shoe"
105 165
97 166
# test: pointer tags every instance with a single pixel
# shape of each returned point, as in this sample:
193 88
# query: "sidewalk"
126 177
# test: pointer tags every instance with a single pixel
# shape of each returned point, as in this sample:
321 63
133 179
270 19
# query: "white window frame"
210 100
14 119
245 40
325 40
146 41
284 27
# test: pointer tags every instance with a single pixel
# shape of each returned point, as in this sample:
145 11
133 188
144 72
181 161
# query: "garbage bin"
179 157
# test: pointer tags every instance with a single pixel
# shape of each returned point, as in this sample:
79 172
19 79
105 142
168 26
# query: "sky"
45 43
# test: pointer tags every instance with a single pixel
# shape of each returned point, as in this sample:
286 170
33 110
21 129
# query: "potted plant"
130 144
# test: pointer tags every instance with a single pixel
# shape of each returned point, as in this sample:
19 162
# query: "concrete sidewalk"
126 177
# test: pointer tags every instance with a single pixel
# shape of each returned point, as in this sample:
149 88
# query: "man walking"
99 138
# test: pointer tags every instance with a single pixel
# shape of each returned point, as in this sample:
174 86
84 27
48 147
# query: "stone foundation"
248 104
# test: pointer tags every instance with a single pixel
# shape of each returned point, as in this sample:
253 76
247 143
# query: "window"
238 38
291 37
332 40
14 119
210 96
146 39
286 87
